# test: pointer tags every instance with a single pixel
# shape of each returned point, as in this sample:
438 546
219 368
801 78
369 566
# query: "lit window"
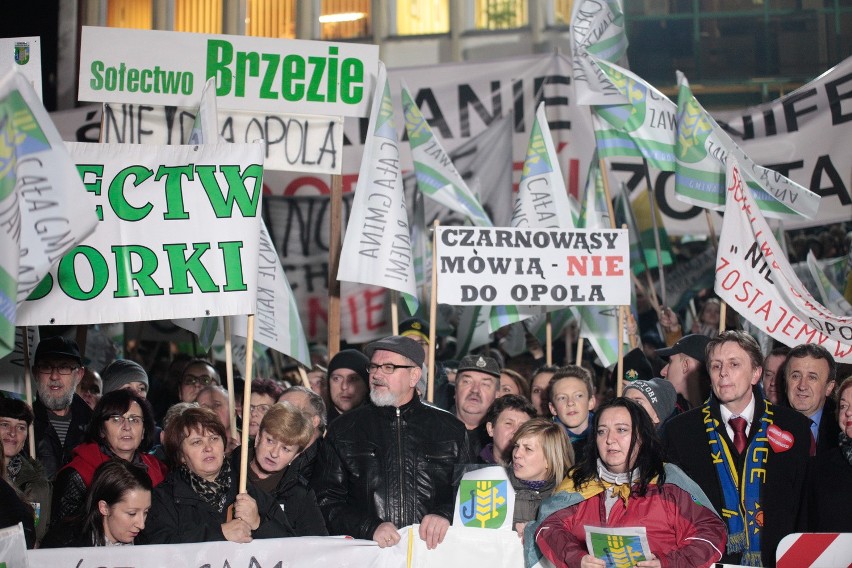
342 19
559 12
271 18
137 14
499 14
202 16
415 17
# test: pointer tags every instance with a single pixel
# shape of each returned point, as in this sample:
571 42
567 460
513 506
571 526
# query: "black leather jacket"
381 464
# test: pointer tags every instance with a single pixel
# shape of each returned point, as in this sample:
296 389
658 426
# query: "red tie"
738 425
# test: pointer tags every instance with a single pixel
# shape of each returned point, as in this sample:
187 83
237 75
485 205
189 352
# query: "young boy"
572 398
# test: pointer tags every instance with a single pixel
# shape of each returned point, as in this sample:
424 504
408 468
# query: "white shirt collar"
747 413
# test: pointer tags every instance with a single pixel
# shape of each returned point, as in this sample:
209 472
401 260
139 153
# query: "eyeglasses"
387 368
193 380
120 420
262 408
64 369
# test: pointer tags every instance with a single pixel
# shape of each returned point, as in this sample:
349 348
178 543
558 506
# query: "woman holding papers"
192 504
622 483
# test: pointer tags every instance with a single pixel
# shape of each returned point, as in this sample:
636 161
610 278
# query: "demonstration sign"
295 143
177 236
23 54
542 267
252 73
756 280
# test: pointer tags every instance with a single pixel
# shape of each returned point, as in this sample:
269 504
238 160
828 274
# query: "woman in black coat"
192 504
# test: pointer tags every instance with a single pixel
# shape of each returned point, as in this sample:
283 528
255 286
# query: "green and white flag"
437 177
44 209
377 245
643 127
830 296
597 28
703 150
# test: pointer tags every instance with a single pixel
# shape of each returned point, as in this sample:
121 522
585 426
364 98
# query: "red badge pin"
779 439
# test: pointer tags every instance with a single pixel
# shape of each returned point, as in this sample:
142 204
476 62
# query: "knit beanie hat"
121 372
350 359
659 392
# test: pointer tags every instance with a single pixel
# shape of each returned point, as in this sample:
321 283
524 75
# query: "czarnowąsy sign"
177 236
253 74
481 266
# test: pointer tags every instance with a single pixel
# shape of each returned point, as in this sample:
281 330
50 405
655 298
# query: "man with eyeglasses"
61 416
197 374
371 477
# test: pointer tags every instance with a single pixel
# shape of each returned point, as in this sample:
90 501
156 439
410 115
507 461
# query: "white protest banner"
178 236
23 54
597 27
502 266
43 209
292 142
252 73
13 547
755 278
461 547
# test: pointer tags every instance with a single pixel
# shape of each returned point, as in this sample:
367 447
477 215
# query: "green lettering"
97 80
180 267
175 209
93 184
233 261
223 206
122 208
272 61
351 80
316 78
43 289
220 53
292 78
68 278
125 275
253 60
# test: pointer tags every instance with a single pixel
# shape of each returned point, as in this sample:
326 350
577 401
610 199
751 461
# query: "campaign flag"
44 209
642 127
377 244
542 200
597 28
702 151
757 281
829 295
437 177
598 324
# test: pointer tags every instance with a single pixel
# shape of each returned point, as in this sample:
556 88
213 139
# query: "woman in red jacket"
122 427
622 482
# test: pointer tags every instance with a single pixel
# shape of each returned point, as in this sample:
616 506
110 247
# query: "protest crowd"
717 457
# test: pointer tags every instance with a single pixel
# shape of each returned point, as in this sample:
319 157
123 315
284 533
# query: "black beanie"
350 359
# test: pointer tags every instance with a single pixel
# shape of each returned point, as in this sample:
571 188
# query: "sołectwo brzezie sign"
252 74
540 267
177 236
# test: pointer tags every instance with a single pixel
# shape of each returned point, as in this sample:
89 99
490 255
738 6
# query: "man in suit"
748 455
809 376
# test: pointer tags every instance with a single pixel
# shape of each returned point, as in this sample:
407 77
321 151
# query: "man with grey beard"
61 416
391 464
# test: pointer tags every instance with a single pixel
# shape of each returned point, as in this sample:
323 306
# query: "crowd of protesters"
717 447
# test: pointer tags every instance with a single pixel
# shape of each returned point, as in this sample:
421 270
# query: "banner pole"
548 335
653 207
229 377
619 385
244 449
334 245
579 360
394 312
305 381
433 314
723 315
28 390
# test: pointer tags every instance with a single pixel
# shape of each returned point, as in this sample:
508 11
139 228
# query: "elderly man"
310 403
61 416
809 376
748 455
391 464
477 385
686 370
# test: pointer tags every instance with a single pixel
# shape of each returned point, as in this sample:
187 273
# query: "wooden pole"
548 338
653 208
619 386
244 449
579 360
723 315
334 245
229 377
28 389
433 314
305 381
394 295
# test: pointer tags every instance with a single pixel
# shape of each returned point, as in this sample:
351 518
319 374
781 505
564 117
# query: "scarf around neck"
845 447
742 487
213 492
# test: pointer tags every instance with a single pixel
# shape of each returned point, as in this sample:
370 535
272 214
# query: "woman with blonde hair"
541 458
